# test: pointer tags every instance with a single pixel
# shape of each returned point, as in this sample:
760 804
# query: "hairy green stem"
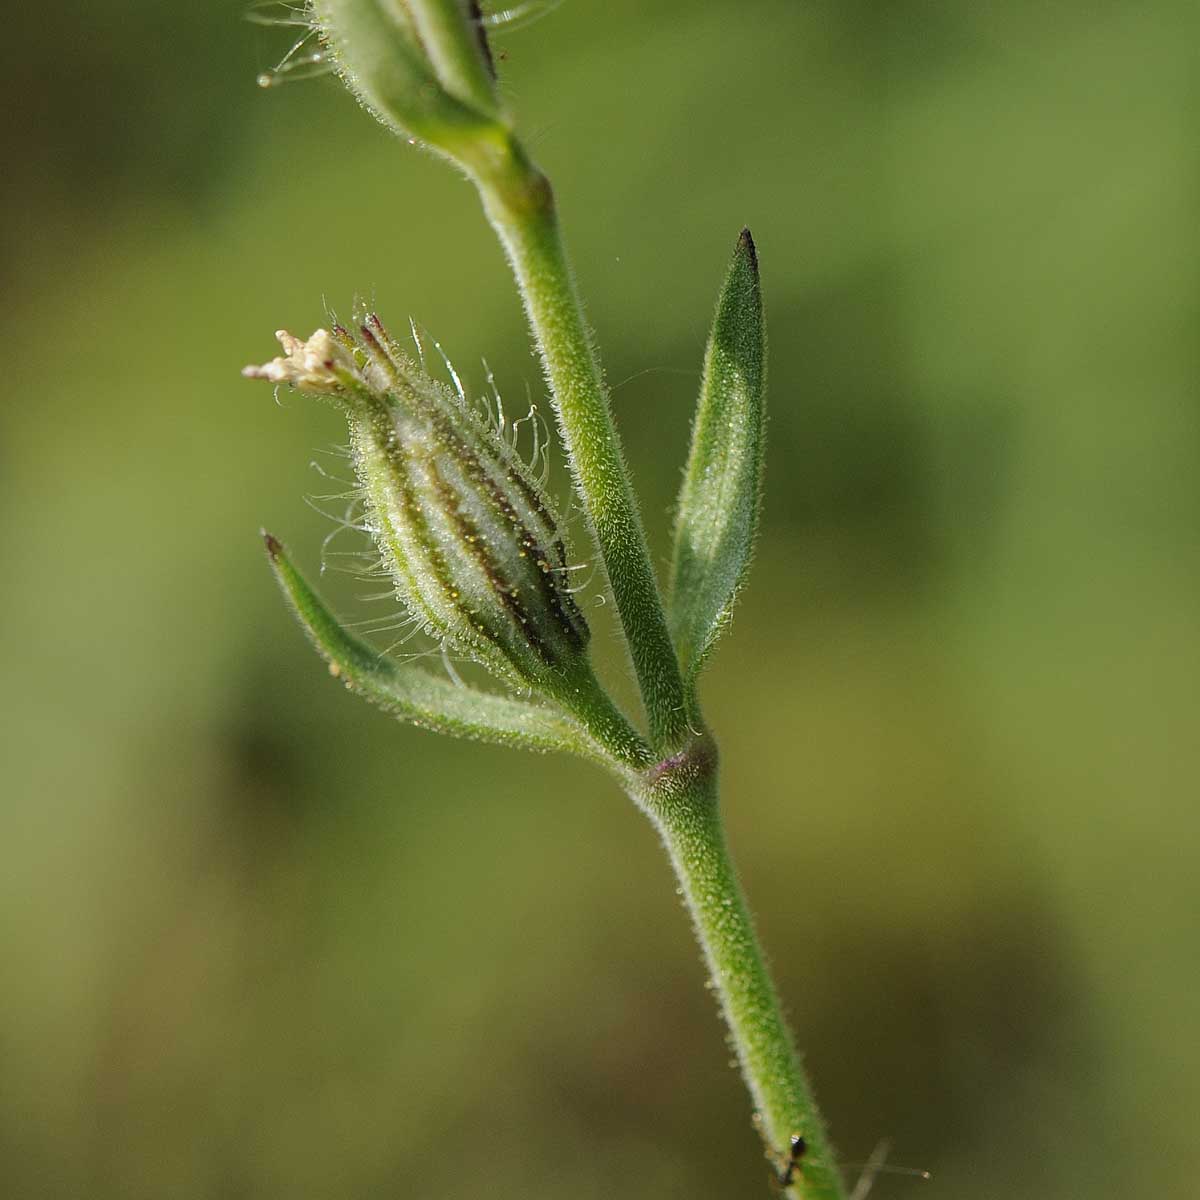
580 693
681 800
519 202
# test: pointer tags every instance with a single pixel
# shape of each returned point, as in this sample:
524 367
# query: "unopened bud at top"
421 66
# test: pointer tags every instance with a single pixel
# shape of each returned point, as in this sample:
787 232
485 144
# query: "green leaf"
414 695
719 502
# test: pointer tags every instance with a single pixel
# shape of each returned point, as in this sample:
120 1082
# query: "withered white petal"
317 365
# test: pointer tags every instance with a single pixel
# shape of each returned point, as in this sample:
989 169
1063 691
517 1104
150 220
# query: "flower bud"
422 67
469 536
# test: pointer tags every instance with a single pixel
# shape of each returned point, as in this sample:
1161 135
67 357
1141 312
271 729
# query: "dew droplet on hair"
305 60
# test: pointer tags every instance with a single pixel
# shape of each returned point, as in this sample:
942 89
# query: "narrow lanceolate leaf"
414 695
719 501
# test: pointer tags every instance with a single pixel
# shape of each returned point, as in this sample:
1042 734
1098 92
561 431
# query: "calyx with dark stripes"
472 541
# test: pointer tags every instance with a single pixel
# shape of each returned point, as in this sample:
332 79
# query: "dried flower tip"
320 365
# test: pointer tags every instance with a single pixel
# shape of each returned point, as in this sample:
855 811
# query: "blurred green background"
259 941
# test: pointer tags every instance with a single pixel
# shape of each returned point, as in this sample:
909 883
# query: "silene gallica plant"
480 558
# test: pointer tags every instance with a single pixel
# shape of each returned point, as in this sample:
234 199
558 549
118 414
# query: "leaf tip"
747 247
273 544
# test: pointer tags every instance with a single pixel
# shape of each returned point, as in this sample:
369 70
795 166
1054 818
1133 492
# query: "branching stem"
680 794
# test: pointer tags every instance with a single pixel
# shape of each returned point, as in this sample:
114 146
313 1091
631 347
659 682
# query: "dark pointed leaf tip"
746 242
273 544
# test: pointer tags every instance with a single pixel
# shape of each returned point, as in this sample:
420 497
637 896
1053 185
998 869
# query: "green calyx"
476 552
471 538
475 549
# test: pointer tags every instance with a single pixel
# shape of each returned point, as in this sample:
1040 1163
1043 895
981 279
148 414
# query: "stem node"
687 775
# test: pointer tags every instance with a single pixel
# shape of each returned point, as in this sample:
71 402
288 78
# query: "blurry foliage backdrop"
258 941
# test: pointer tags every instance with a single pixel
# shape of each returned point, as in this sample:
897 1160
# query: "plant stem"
519 202
626 752
681 800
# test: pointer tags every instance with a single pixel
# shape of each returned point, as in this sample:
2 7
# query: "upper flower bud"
471 539
421 66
